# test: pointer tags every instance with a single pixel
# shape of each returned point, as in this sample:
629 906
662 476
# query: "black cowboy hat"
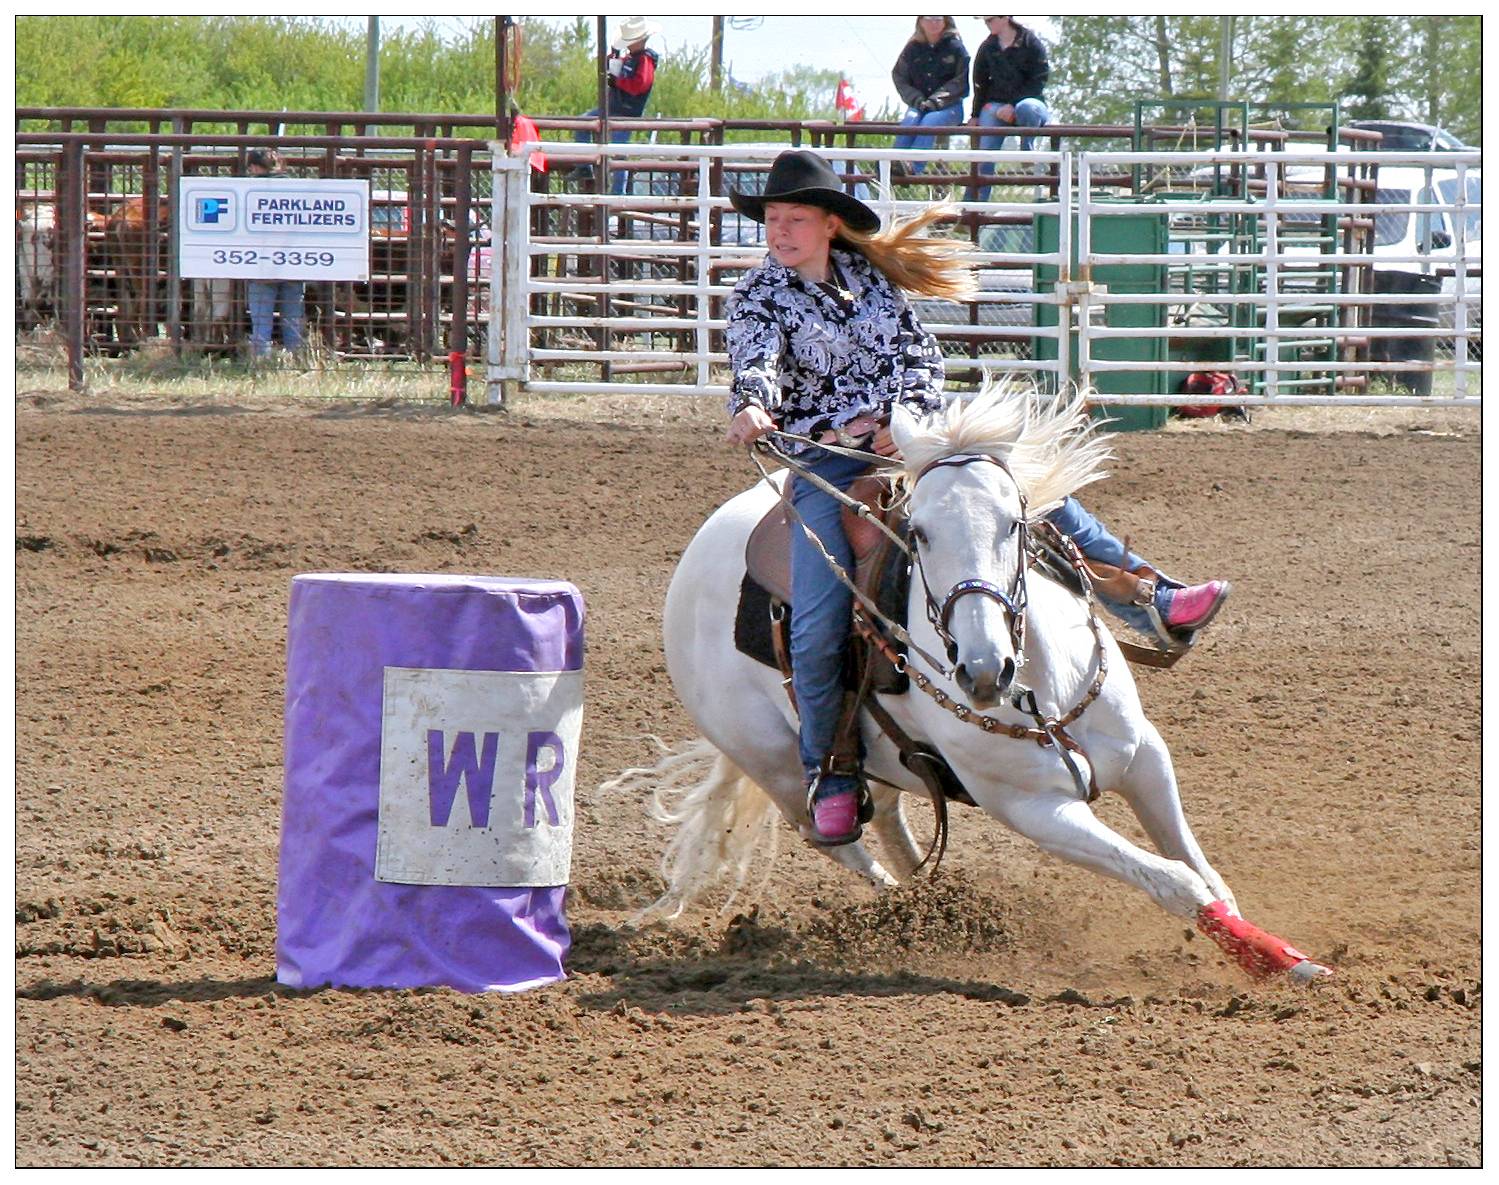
805 178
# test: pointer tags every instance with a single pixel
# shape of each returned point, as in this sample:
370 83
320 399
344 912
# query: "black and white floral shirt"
816 356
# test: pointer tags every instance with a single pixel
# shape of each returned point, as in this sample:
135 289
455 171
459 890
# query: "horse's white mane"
1051 446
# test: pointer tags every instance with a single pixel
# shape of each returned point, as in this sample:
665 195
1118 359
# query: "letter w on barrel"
471 761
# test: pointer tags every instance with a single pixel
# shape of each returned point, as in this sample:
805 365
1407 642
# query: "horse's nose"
985 681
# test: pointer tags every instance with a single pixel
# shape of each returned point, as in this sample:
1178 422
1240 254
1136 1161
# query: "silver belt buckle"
858 439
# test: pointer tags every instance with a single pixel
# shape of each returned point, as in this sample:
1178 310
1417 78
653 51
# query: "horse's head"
974 472
967 520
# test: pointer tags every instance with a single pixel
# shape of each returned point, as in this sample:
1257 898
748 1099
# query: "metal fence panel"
1274 270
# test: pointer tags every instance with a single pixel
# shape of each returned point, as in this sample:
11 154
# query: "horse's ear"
902 426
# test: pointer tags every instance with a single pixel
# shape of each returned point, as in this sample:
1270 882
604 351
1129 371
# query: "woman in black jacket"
931 76
1009 75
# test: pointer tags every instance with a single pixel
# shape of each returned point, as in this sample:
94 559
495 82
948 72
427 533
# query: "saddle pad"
752 623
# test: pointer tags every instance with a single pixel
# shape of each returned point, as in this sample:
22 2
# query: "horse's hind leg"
1149 786
890 824
773 766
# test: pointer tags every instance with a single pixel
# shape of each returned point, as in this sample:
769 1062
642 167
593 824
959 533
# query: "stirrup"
861 788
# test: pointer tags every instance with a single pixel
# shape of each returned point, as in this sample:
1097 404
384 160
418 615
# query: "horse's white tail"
722 818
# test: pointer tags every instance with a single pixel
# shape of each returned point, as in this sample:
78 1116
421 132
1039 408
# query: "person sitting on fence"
1010 71
931 76
631 70
823 343
268 297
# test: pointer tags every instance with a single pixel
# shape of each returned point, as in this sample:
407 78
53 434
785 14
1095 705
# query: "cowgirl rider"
821 339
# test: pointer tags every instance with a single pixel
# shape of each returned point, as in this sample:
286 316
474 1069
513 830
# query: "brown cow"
127 236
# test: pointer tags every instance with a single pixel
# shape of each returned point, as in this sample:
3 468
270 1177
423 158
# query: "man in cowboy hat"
631 70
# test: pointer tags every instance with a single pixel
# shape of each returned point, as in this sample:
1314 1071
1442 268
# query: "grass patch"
153 376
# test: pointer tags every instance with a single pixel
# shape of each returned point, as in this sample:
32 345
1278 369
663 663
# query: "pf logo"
212 211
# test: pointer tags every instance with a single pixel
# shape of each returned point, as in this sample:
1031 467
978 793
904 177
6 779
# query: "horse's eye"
918 536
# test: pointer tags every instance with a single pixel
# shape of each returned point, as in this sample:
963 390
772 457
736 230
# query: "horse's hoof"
1307 971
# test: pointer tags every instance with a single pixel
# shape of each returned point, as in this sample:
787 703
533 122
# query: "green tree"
1366 94
1100 66
1440 67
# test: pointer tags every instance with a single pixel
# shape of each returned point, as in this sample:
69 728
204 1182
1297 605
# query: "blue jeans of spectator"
1097 542
616 176
266 298
821 607
1029 113
944 117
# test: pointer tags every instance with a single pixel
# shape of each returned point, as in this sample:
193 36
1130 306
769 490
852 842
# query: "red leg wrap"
1260 953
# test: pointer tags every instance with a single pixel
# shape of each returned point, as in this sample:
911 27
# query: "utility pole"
372 65
505 80
1225 50
715 63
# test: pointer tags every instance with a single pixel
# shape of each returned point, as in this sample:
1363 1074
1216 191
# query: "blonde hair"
914 261
948 26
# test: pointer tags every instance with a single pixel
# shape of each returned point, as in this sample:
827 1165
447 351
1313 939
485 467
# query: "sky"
863 48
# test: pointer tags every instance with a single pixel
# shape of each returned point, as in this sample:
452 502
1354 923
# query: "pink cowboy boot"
835 812
1189 609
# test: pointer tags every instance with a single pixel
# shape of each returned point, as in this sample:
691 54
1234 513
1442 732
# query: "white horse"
969 519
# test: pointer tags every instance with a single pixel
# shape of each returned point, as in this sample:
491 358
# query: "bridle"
1013 602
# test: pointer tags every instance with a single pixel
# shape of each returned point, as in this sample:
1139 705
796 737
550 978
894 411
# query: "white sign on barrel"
477 770
273 228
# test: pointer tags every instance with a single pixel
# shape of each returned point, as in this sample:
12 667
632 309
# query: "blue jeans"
1029 113
265 297
1097 542
616 176
949 117
821 607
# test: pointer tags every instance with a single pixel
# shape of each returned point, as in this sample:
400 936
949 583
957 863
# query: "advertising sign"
273 228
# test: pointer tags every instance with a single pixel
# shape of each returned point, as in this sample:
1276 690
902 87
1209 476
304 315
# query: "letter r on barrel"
539 781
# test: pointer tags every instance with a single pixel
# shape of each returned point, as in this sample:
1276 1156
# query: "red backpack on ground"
1210 382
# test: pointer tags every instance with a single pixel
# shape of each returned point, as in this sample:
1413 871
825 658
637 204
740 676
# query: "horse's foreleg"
1149 786
1065 826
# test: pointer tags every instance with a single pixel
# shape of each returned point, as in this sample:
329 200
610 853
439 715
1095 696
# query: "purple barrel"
432 731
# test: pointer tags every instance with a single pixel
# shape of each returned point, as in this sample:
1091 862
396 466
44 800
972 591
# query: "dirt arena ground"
1014 1011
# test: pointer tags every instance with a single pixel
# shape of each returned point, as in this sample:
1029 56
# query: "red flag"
526 133
846 101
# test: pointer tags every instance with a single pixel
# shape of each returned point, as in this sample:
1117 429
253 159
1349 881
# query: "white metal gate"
632 286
